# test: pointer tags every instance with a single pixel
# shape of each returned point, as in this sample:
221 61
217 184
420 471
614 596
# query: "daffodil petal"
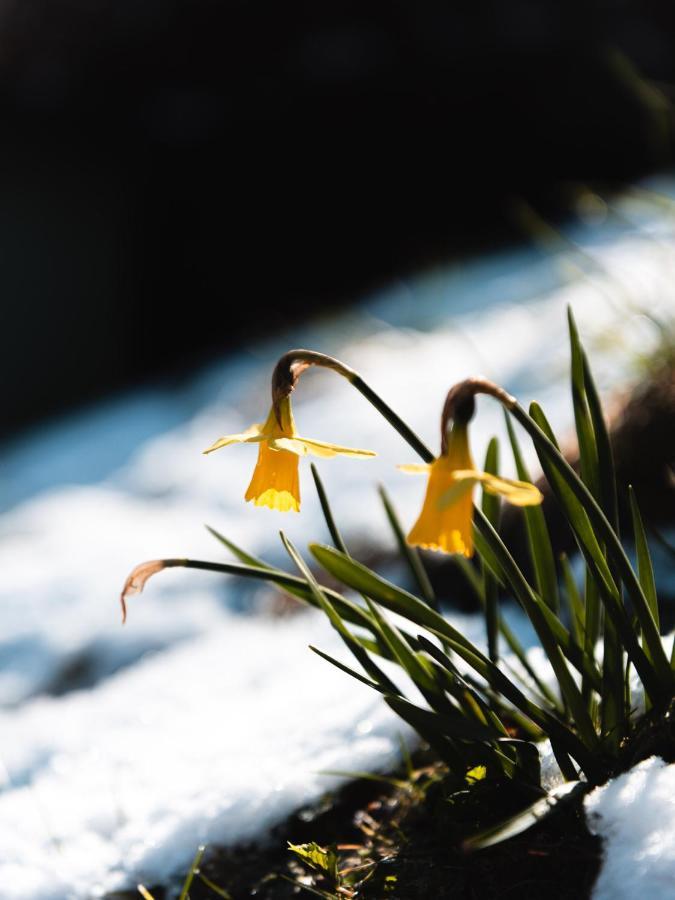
460 487
252 435
415 468
308 447
283 501
518 493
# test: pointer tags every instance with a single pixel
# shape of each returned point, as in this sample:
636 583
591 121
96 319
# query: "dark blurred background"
178 177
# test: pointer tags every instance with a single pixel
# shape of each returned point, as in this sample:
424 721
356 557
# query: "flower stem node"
275 482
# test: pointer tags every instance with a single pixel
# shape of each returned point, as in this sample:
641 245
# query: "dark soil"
406 840
410 844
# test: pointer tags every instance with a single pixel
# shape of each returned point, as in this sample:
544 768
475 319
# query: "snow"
204 719
635 816
213 741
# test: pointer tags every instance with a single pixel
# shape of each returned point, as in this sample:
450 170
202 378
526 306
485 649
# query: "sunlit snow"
635 816
204 719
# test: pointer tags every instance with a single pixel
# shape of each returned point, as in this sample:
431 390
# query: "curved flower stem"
396 421
293 363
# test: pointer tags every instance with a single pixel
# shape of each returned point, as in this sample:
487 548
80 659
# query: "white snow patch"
635 816
212 741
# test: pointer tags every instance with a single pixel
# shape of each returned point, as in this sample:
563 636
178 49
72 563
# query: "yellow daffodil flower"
445 522
275 482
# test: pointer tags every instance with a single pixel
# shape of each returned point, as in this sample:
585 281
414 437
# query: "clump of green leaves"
475 710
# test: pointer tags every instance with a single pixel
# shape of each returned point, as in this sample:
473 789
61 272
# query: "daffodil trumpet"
446 520
276 482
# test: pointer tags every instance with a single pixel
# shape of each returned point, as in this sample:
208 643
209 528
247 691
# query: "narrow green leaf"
571 493
418 719
470 700
491 510
526 596
357 576
290 584
588 454
519 652
462 728
576 606
565 764
644 560
212 886
538 539
490 503
537 613
381 647
614 712
185 893
606 467
240 554
470 574
366 776
407 759
645 569
347 669
512 641
334 531
369 665
413 664
410 554
573 508
570 791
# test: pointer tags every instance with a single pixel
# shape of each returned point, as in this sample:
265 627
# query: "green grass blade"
512 641
342 547
422 674
525 819
366 776
462 727
334 531
468 697
369 665
491 510
575 603
413 664
357 576
538 539
644 564
410 554
416 717
597 468
237 552
470 574
184 894
586 520
534 608
348 670
606 467
290 584
588 453
644 560
407 759
593 616
212 886
526 596
519 652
